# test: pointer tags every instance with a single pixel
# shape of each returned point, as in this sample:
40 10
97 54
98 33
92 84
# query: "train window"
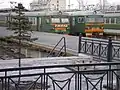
90 19
107 20
115 20
73 22
112 20
99 19
30 19
40 21
94 19
81 20
47 21
33 20
104 20
55 20
118 20
65 20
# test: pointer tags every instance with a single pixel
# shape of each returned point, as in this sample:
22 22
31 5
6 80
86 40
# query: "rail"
59 77
61 47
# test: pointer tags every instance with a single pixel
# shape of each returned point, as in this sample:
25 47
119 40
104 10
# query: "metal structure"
104 6
72 77
102 49
40 4
81 4
60 49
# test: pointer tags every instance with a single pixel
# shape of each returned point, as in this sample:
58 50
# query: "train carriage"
60 23
54 21
112 21
87 23
84 22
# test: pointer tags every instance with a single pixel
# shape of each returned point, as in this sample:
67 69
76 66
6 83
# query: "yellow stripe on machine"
94 30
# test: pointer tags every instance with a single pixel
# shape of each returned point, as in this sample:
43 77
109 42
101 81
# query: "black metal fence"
100 48
63 48
62 77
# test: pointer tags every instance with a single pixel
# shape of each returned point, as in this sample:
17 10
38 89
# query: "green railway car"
60 24
56 21
112 21
38 20
87 23
3 19
84 22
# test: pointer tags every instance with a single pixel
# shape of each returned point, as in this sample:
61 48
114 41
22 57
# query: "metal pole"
19 47
65 46
79 43
109 59
117 79
109 52
69 4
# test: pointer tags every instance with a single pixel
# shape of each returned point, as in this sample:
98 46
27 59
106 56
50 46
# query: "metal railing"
59 77
100 48
60 49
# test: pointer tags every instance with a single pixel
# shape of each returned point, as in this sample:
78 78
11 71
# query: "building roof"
37 13
112 15
76 13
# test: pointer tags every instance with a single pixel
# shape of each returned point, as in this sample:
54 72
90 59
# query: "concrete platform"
28 62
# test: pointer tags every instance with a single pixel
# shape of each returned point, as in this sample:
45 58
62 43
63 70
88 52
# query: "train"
86 23
112 21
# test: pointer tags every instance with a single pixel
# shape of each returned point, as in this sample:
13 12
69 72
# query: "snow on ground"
53 61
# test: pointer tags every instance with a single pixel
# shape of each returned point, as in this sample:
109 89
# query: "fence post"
109 59
79 43
109 50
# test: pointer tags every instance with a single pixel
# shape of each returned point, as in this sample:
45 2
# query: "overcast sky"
6 4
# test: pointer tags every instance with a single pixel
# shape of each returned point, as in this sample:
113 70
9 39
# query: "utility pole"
69 4
81 4
100 4
104 4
